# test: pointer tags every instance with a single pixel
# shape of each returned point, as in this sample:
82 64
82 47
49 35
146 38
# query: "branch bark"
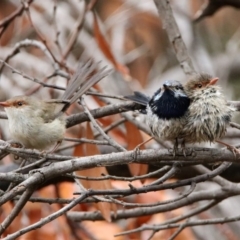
174 35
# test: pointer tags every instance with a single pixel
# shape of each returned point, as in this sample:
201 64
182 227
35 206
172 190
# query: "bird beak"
213 81
4 104
166 85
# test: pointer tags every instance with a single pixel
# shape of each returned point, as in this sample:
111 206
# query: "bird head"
200 84
30 107
15 102
174 88
170 101
20 105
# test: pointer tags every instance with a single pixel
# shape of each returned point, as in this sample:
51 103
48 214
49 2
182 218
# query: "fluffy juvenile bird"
39 124
166 110
196 113
208 113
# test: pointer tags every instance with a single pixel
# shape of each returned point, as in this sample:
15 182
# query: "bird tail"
138 98
86 75
141 99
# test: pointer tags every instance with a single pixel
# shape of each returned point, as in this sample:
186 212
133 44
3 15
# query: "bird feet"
137 148
183 148
16 145
234 150
176 151
55 147
175 147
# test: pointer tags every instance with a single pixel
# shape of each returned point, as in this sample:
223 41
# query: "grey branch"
174 35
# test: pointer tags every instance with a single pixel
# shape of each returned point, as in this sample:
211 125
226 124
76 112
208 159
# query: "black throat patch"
168 106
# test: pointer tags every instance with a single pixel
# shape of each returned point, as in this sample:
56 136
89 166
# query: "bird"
209 113
39 124
195 112
165 110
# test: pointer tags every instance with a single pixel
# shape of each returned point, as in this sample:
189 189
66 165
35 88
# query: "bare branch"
174 35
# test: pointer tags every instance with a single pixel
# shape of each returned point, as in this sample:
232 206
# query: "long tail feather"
139 97
86 75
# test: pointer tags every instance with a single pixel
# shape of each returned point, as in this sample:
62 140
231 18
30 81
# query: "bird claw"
175 147
43 153
137 148
175 151
184 152
53 149
235 151
183 148
136 151
16 145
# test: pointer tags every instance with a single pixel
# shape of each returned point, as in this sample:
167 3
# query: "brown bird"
208 114
38 123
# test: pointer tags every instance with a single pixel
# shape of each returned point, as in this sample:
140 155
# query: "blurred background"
43 41
135 36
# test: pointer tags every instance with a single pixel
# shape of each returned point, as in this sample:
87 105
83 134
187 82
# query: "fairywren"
39 124
208 113
166 110
197 112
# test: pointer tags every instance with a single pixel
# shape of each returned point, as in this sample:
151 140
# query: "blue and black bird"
166 110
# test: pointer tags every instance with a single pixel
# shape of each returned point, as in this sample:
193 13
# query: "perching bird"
198 113
208 113
166 110
39 124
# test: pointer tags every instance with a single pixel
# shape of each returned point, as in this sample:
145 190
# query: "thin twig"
129 179
100 130
16 210
47 219
85 140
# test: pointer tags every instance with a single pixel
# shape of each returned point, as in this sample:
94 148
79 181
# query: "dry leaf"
105 48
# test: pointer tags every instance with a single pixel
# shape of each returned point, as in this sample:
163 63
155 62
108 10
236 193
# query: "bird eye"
19 103
199 85
177 87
